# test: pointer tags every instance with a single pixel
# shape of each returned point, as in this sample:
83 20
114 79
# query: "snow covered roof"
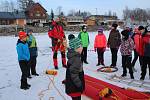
12 15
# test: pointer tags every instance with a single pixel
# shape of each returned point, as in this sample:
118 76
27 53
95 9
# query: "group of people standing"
27 54
137 40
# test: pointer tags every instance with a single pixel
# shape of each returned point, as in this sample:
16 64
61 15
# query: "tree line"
136 14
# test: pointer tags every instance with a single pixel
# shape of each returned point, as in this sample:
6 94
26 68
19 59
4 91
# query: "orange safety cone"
51 72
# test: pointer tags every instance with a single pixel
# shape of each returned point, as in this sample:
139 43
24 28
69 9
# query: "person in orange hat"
23 58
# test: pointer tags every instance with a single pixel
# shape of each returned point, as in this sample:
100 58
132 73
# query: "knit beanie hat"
74 43
83 27
115 25
30 30
141 27
100 29
70 36
125 34
22 34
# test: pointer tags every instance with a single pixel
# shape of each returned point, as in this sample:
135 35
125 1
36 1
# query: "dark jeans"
114 52
146 62
84 54
76 98
126 63
136 55
32 66
100 54
24 69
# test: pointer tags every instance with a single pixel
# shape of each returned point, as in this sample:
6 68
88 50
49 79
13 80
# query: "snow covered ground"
46 87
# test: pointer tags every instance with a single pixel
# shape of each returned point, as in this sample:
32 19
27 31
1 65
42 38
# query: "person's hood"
71 53
19 41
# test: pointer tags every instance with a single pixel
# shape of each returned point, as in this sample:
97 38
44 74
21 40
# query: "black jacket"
74 74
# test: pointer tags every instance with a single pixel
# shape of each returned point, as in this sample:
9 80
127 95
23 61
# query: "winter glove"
104 49
81 89
95 49
108 45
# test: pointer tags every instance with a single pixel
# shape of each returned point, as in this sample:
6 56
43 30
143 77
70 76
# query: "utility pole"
96 10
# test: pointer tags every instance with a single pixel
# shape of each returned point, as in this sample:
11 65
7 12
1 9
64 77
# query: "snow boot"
131 75
56 67
24 84
123 75
98 64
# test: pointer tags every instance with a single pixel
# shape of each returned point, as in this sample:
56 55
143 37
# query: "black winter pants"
146 62
126 63
24 69
114 52
136 55
32 66
100 54
84 54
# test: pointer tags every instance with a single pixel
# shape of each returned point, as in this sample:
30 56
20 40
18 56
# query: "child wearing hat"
23 58
31 40
113 43
127 46
75 84
100 46
84 37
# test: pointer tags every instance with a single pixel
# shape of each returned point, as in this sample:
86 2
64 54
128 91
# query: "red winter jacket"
146 45
56 32
139 44
100 41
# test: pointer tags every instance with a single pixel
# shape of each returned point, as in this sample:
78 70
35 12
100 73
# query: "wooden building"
12 18
36 15
74 20
98 19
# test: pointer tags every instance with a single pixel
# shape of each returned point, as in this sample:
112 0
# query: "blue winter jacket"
23 51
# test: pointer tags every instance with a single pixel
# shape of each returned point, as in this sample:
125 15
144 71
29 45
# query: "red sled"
94 86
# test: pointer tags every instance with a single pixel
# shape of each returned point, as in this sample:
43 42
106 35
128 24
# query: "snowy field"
46 87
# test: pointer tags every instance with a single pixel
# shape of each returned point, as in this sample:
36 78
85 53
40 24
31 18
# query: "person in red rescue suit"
57 36
146 54
100 46
138 50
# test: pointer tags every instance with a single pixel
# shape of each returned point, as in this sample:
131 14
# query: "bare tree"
71 12
136 14
23 4
109 13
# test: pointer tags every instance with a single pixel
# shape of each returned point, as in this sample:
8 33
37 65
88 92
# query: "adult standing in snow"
23 58
100 46
56 33
114 42
75 83
83 35
127 46
138 48
31 40
146 57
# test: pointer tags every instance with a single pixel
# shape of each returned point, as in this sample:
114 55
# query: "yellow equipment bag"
51 72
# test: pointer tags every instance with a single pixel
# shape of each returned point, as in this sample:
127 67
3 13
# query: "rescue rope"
108 69
51 83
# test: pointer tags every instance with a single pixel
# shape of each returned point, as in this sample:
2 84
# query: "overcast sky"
102 6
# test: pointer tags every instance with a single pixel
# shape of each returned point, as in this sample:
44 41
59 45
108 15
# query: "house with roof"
36 15
74 20
13 18
98 19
